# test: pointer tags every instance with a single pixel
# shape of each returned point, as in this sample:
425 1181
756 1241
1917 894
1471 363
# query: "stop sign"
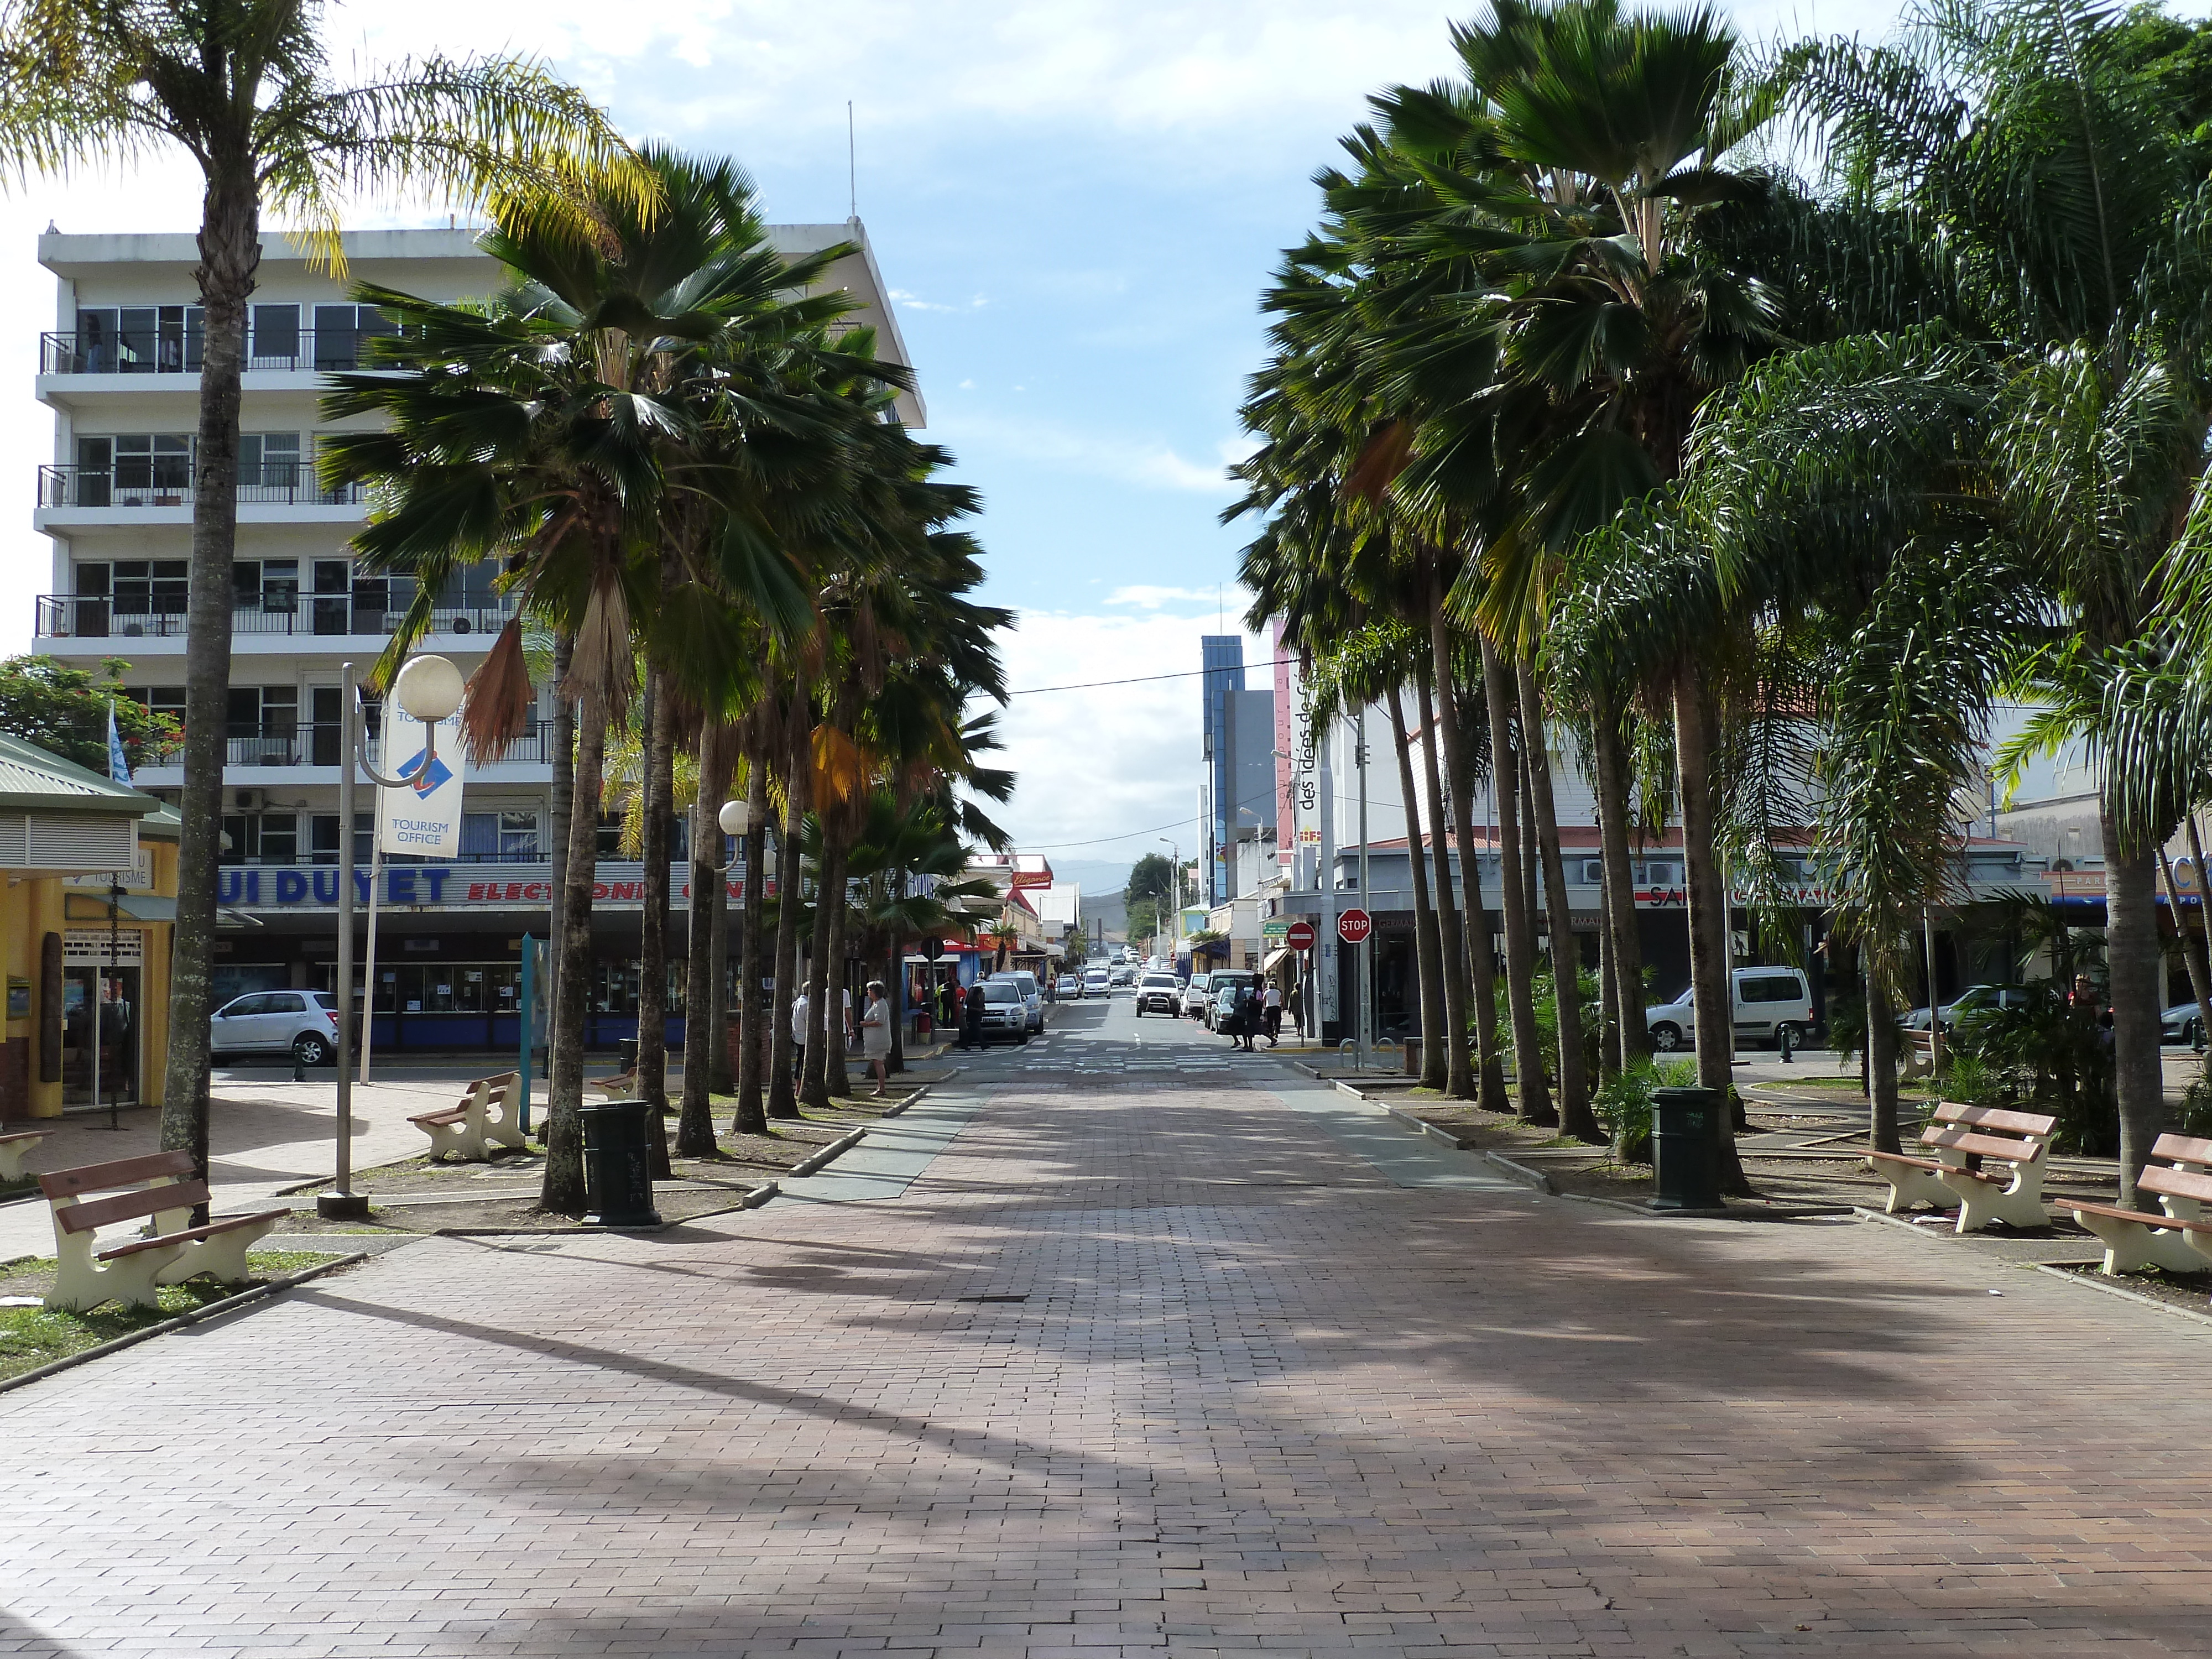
1354 926
1300 936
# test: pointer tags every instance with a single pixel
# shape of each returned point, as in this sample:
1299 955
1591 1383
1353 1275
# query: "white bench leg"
82 1284
2131 1245
222 1258
1909 1186
12 1154
2017 1205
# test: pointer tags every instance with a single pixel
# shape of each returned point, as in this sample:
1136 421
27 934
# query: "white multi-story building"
121 373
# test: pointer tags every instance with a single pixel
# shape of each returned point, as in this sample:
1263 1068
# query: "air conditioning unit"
248 800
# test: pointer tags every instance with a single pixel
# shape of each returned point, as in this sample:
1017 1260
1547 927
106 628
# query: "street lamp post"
1174 934
428 689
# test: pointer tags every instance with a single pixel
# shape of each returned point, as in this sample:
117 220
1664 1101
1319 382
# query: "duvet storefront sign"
447 887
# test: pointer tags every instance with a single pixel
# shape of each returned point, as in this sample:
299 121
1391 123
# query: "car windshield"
1161 981
998 990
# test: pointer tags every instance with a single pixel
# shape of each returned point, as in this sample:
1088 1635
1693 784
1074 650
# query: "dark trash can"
618 1163
626 1048
1685 1149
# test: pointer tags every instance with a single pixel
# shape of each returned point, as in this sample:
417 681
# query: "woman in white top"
876 1034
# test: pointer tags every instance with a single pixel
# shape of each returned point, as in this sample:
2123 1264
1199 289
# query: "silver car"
302 1023
1032 994
1194 995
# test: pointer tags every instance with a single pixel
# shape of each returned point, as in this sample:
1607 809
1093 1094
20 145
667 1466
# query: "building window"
260 838
323 838
503 837
133 470
265 587
340 331
610 837
268 465
275 343
139 339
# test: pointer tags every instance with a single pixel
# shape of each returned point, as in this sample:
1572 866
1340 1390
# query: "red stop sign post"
1353 926
1300 936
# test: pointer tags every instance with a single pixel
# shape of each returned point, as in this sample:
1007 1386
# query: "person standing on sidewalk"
876 1034
1275 1014
971 1018
798 1005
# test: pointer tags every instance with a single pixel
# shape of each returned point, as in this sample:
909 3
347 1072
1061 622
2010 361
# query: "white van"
1766 999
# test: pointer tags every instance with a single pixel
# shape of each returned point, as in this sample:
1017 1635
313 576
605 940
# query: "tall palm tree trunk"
752 1118
1428 952
782 1098
1451 942
1452 716
2131 962
653 935
1710 1002
2201 940
821 1018
836 1084
702 1023
1626 954
1535 1099
1576 1117
562 1190
1880 1054
230 252
561 802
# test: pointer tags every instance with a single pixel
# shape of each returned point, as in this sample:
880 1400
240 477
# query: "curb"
2126 1295
1539 1180
836 1148
198 1316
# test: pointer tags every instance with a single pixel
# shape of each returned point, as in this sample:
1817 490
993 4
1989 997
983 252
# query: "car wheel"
310 1049
1666 1038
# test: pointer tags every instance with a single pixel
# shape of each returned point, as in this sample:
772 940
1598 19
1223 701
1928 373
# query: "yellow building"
87 915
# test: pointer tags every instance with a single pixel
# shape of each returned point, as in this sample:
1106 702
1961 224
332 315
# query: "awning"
1273 956
148 909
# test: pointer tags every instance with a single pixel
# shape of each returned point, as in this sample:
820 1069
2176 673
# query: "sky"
1076 207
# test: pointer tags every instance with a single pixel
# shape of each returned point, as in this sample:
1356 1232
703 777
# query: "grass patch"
32 1337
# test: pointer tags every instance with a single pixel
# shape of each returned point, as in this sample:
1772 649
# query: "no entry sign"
1354 926
1300 936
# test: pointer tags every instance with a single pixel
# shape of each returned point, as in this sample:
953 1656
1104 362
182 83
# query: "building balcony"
333 619
176 352
310 754
170 485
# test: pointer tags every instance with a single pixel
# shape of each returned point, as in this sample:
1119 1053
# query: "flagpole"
368 970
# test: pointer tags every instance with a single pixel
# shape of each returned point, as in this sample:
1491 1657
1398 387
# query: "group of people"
1252 1012
874 1029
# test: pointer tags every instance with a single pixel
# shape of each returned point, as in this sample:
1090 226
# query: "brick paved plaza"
1259 1397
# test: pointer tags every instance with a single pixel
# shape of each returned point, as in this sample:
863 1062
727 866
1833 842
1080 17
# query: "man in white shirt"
799 1035
1273 1009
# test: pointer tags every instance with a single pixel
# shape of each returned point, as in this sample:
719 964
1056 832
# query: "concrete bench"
1919 1054
13 1149
2180 1239
1963 1138
159 1185
464 1127
621 1086
502 1109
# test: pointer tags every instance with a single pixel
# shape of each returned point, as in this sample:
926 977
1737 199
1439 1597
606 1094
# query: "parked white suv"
1194 995
302 1023
1766 999
1032 994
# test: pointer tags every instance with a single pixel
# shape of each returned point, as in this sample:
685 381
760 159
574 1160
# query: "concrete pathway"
1113 1362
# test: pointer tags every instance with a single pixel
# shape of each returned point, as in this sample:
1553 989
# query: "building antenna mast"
851 166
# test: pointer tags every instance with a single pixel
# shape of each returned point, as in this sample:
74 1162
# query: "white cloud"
1117 767
1151 598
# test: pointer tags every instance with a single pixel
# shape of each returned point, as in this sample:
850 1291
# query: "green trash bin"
1685 1149
618 1163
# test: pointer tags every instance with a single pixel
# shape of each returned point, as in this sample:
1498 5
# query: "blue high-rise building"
1238 799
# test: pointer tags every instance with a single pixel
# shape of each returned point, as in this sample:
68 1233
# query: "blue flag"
119 768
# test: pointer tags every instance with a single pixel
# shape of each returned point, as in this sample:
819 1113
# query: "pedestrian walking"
1275 1010
971 1018
798 1005
1247 1017
876 1034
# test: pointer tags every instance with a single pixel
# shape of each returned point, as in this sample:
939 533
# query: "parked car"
1032 994
1120 973
1194 995
1975 999
1071 984
2183 1023
1766 999
1224 979
1097 982
302 1023
1005 1015
1161 993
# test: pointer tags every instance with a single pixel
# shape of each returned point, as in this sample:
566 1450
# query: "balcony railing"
173 351
167 483
91 617
318 744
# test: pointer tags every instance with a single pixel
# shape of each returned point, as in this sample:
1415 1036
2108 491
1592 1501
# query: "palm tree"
246 89
550 432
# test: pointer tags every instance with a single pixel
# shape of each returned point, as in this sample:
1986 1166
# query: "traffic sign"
1301 936
932 949
1275 928
1354 926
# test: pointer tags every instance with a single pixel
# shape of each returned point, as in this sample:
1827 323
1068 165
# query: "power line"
1141 679
1191 818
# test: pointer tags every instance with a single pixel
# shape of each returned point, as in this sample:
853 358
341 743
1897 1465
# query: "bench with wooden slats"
1919 1054
621 1086
503 1110
1965 1138
460 1128
15 1148
2180 1239
159 1185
